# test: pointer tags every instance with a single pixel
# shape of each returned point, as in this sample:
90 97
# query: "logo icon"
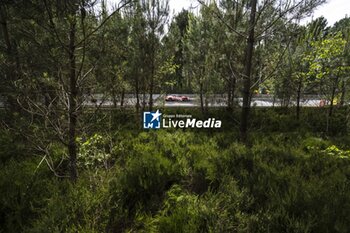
151 120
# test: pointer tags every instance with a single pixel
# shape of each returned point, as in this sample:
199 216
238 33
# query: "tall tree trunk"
334 88
343 92
247 73
4 29
201 97
144 100
330 111
151 92
229 92
114 98
122 98
13 59
137 92
233 90
298 98
153 57
143 90
72 146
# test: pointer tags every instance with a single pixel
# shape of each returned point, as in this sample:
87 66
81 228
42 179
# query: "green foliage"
185 181
139 187
23 194
185 212
243 190
313 143
77 207
181 212
336 152
59 54
325 59
93 152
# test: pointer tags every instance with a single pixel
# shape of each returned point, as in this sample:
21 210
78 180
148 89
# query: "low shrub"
140 186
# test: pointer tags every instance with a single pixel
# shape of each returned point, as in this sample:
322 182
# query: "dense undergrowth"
132 180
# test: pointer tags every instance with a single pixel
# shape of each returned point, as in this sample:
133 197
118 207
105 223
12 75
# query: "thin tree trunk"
114 98
330 112
343 92
4 29
151 94
144 87
14 62
137 95
152 71
151 88
144 100
72 146
247 73
229 98
122 98
298 99
201 97
331 102
335 84
233 90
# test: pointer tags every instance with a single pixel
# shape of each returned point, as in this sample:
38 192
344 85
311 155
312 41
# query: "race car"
177 98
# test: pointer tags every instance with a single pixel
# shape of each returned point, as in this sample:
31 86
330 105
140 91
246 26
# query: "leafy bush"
336 152
93 152
315 143
23 193
79 207
140 187
181 212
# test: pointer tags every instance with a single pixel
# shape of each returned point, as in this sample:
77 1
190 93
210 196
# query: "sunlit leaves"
326 57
